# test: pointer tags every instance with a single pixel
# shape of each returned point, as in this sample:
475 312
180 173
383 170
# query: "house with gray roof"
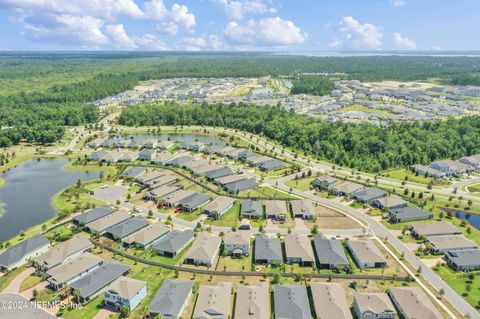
194 201
126 228
97 155
125 292
276 209
219 173
219 206
179 160
237 243
450 167
174 242
298 249
368 194
435 228
473 161
149 176
413 303
19 254
92 214
165 145
222 181
203 170
134 172
195 163
63 252
346 188
303 208
270 165
72 270
464 260
98 280
330 253
390 202
366 253
147 236
171 299
163 180
251 209
160 192
174 199
408 214
204 250
214 302
268 250
324 182
428 171
147 154
29 310
291 301
163 158
442 244
102 225
240 186
253 301
373 305
329 301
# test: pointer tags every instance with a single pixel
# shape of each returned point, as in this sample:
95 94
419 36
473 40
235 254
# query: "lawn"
235 264
303 184
30 281
361 108
86 312
474 188
459 282
6 279
229 219
190 216
401 173
266 191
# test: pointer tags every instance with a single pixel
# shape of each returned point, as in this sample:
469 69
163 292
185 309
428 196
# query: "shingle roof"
175 197
213 301
72 268
104 223
174 241
171 297
330 251
276 207
251 207
329 301
126 287
391 201
411 212
195 200
465 258
414 303
99 278
302 207
374 302
15 253
366 251
218 173
435 228
29 310
134 172
57 254
299 246
232 238
241 185
93 214
369 193
219 204
204 248
267 248
291 301
450 242
253 302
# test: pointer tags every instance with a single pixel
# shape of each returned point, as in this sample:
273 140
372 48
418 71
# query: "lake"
473 220
28 191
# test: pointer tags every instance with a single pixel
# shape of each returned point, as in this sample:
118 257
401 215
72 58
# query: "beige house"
253 302
373 305
329 301
276 209
214 301
412 303
219 206
298 249
204 250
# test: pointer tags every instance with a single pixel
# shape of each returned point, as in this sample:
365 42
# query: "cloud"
149 42
358 36
397 3
263 33
119 37
169 21
203 43
402 42
237 9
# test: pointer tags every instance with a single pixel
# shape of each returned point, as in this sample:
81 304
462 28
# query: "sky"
239 25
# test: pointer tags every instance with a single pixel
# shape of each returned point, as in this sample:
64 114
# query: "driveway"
15 284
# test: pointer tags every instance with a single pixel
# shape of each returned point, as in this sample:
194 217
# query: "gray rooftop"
99 278
59 253
414 303
171 297
134 172
369 193
268 248
411 212
330 251
241 185
329 301
93 214
291 301
465 258
128 227
29 310
14 254
174 241
195 200
251 207
435 228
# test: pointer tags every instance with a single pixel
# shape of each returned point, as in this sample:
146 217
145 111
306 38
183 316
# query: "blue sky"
229 25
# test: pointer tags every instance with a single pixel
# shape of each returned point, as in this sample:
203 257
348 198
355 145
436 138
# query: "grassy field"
459 282
474 188
361 108
303 184
266 192
229 219
402 173
30 281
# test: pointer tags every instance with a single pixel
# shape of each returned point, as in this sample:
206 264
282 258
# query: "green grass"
266 192
401 173
458 282
7 279
474 188
303 184
361 108
229 219
235 264
190 216
30 281
86 312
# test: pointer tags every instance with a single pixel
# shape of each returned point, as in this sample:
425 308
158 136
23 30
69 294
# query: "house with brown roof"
413 303
147 236
102 225
276 209
389 202
253 301
303 208
237 243
204 250
219 206
298 249
329 301
214 302
373 305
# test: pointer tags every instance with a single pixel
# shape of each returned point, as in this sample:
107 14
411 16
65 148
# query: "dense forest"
41 93
312 84
363 146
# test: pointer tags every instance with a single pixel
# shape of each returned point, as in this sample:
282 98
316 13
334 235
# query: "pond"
175 137
28 191
471 218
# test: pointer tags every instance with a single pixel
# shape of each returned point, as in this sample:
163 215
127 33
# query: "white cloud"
397 3
169 21
192 44
237 9
119 37
150 42
268 32
358 36
402 42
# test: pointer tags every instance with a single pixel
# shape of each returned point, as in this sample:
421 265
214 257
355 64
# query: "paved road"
379 230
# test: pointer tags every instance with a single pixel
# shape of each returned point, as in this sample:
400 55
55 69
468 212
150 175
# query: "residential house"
390 202
98 280
329 301
270 165
464 260
253 301
63 252
204 250
255 160
170 300
126 228
436 228
346 188
147 154
125 292
224 150
214 302
127 156
159 192
413 303
298 249
324 182
373 305
276 209
102 225
368 194
134 172
163 180
236 243
174 242
204 170
147 236
222 181
219 173
195 163
330 253
150 143
408 214
165 145
450 167
251 209
174 199
72 270
92 215
429 171
219 206
163 158
268 250
442 244
473 161
178 160
147 177
194 201
291 301
196 146
303 208
240 186
19 254
366 254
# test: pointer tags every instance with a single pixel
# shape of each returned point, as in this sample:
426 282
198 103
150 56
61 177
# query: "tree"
124 312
